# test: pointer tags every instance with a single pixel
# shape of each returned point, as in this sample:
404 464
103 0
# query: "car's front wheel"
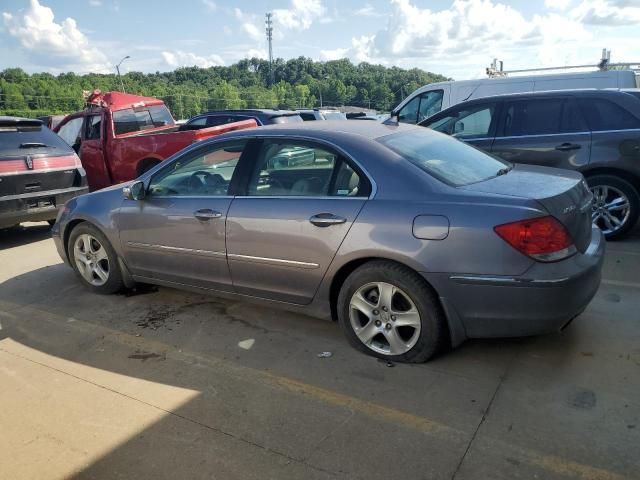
389 311
94 260
616 205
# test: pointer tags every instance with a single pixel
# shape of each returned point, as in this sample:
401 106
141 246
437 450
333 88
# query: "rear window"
333 116
606 115
286 119
445 158
31 140
142 118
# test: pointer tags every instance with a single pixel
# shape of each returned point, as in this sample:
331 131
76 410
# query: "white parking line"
619 283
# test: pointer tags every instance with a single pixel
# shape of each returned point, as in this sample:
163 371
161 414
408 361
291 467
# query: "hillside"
298 82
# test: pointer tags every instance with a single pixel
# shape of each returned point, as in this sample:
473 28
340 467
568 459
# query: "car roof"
271 112
6 121
580 92
328 130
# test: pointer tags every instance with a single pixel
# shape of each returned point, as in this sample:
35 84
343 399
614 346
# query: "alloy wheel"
91 259
611 208
384 318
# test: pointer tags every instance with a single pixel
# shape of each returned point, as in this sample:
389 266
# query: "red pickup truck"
120 136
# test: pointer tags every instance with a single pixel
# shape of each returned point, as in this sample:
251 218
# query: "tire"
103 274
608 189
413 303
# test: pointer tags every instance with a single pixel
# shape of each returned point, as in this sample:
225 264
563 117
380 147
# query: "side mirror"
135 191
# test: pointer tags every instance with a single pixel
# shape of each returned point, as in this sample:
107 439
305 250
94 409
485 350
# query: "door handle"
564 147
326 219
206 214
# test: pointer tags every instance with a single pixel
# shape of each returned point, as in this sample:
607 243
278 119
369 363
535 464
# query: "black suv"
38 172
262 116
596 132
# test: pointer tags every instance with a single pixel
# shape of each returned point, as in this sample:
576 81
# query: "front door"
297 206
177 233
474 123
547 131
91 153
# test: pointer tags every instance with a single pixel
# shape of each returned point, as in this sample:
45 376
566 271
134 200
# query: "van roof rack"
496 69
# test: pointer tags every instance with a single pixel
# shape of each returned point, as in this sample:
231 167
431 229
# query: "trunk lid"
563 193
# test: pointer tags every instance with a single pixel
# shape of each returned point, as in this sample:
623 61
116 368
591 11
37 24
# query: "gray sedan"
412 240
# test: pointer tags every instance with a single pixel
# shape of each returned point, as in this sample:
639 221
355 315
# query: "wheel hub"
384 318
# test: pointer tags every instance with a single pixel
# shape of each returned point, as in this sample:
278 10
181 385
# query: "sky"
457 38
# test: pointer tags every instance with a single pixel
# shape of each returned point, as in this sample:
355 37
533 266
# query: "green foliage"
299 82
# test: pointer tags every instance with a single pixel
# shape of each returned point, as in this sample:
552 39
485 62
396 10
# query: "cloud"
300 15
59 46
249 24
368 11
608 13
560 5
95 3
179 58
210 5
256 53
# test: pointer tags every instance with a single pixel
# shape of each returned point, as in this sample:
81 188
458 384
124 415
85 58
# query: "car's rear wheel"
389 311
615 205
94 259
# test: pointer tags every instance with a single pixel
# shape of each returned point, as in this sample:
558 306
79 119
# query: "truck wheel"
94 260
616 205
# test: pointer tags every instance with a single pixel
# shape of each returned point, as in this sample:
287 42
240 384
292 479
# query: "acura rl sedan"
411 240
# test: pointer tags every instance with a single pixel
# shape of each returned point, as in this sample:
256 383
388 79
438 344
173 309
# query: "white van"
432 98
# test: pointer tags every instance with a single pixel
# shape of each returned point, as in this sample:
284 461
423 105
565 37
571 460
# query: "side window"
409 113
605 115
93 127
307 117
199 122
207 172
469 122
70 131
217 120
298 169
572 119
536 116
430 104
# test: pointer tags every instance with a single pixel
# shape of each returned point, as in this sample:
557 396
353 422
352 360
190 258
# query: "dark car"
262 116
596 132
410 239
38 172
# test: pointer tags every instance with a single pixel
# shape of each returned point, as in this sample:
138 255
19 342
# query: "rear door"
473 123
546 131
299 200
177 233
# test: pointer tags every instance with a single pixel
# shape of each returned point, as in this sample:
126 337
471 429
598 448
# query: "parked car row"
409 238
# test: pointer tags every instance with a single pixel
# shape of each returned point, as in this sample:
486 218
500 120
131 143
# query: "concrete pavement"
168 384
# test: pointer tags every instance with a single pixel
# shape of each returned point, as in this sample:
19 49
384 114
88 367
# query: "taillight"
544 239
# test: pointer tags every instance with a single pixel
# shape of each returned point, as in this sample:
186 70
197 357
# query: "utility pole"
269 31
118 70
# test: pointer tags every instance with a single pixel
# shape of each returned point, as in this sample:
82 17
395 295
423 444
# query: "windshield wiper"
33 145
503 171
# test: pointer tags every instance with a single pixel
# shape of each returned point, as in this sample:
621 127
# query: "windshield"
445 158
142 118
286 119
333 115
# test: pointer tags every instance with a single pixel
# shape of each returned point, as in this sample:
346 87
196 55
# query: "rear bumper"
35 207
543 300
